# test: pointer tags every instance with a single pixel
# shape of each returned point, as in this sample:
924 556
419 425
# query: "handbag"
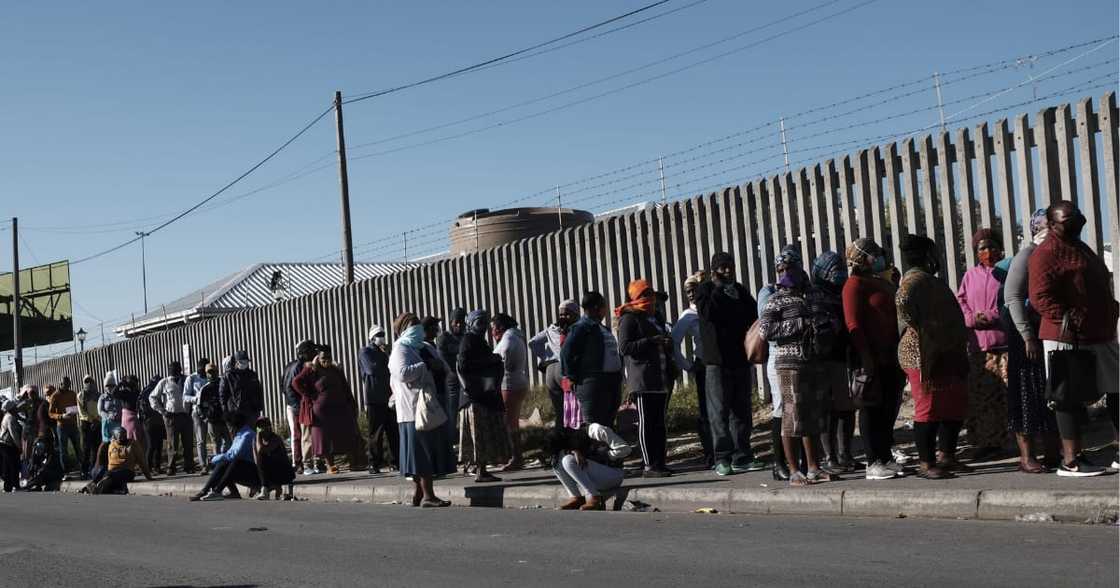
1071 374
429 414
758 350
863 389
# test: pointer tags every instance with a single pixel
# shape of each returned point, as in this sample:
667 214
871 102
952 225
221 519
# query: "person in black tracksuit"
590 360
647 349
373 361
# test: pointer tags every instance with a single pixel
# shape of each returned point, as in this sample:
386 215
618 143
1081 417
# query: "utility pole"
785 144
559 208
17 340
661 173
940 102
404 236
143 267
344 183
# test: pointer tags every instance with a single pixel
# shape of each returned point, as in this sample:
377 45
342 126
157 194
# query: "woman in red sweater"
872 321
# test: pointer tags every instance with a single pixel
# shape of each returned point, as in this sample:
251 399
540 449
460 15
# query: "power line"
494 60
594 82
229 185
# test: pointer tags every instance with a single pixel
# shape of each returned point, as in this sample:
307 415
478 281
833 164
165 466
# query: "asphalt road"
70 540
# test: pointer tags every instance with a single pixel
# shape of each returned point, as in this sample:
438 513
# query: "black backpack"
246 395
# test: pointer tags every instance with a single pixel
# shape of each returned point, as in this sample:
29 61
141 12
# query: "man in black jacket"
727 310
589 359
241 391
373 362
305 352
447 343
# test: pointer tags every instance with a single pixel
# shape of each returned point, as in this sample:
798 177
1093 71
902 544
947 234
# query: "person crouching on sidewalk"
273 465
122 459
588 463
235 466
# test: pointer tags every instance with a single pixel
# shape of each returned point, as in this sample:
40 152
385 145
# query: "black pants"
703 425
116 481
227 474
936 436
729 413
180 437
157 434
383 431
876 423
599 396
91 439
9 467
651 427
1071 420
552 379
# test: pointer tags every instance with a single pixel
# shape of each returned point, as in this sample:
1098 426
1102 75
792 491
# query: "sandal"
818 475
797 479
1034 468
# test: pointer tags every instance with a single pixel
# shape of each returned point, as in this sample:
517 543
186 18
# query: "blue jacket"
240 450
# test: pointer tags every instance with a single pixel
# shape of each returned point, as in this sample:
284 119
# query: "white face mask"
379 340
243 364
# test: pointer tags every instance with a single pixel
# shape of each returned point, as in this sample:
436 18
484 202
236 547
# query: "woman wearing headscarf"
647 349
1027 414
933 353
829 276
334 411
979 300
788 259
483 438
423 455
109 407
872 320
805 328
515 380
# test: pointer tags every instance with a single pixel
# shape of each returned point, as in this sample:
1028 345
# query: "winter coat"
167 398
480 371
374 366
650 365
727 311
802 324
241 392
408 377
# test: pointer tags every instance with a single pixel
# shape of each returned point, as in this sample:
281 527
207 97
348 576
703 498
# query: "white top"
687 326
408 376
515 360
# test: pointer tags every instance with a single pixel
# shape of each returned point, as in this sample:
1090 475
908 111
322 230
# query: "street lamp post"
82 338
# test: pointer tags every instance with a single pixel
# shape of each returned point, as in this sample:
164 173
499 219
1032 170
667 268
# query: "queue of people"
840 340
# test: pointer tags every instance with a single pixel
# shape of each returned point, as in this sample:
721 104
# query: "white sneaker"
308 471
900 456
213 497
877 471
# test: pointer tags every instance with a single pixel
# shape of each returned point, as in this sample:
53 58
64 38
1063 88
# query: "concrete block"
885 502
1064 505
819 501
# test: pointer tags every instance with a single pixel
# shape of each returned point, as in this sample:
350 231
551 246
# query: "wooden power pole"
17 340
344 183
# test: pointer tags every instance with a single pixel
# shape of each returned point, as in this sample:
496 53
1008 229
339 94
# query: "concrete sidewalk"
994 491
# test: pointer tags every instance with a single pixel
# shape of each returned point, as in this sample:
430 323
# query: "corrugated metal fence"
944 186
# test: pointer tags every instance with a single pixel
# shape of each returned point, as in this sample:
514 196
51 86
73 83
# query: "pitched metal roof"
250 288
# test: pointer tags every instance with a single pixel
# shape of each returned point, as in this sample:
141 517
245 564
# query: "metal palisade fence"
944 185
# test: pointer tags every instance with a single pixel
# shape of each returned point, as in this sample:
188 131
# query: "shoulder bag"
1071 374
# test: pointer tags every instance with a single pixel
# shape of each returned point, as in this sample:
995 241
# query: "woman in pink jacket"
979 297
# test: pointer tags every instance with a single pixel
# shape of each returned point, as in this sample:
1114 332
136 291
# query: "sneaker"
895 467
308 471
750 466
723 469
878 471
656 473
213 497
900 456
1079 469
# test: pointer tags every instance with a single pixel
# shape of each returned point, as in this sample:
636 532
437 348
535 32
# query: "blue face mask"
413 337
879 264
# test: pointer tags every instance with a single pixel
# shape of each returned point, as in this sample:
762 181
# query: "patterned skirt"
482 436
805 400
1027 412
987 399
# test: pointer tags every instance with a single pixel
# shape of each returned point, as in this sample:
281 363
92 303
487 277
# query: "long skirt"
1027 412
987 399
424 453
937 399
805 399
482 436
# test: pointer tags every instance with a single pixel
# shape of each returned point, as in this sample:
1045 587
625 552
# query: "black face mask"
1076 225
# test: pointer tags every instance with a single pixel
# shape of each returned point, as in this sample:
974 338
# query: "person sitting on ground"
235 466
44 472
588 463
99 469
11 438
273 464
122 461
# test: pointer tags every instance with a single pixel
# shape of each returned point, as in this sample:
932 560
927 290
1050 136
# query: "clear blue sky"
112 112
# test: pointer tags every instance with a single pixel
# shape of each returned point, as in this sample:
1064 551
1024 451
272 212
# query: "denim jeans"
592 480
68 432
729 413
200 432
